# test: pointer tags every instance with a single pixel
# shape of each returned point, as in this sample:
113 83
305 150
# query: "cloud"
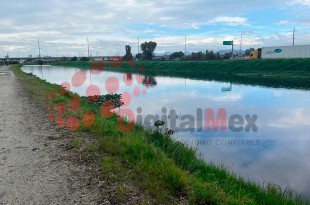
300 2
229 97
293 118
63 25
283 22
230 21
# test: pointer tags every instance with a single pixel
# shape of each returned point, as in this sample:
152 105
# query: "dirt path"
33 168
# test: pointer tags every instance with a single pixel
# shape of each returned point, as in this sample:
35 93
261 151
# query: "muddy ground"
36 167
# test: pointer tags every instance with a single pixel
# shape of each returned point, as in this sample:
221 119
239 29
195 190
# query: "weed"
76 143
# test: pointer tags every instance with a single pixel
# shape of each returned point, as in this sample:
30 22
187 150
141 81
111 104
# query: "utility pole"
138 45
185 46
241 45
294 37
232 49
39 49
88 47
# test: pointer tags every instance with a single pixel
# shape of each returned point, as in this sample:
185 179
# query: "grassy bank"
169 171
289 73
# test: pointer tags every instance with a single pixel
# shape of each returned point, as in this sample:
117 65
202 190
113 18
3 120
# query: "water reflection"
278 152
129 76
227 89
149 81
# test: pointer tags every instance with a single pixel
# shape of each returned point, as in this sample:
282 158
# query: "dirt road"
34 169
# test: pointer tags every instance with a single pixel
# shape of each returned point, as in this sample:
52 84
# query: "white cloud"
230 21
293 118
229 97
283 22
300 2
61 25
166 18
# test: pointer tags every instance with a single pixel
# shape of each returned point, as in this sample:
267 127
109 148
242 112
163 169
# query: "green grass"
167 169
76 143
286 73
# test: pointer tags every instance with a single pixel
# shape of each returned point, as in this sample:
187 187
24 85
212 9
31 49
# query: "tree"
84 59
210 55
73 59
248 51
139 56
176 55
64 58
128 56
227 56
148 49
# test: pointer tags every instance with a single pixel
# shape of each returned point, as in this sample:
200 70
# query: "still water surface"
278 152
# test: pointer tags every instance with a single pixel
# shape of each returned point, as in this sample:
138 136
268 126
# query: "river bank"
283 73
165 168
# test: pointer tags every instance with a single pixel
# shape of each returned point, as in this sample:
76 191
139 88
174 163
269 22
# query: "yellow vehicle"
257 54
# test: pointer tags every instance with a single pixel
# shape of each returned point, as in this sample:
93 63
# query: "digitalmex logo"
108 103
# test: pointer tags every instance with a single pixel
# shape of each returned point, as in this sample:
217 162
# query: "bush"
84 59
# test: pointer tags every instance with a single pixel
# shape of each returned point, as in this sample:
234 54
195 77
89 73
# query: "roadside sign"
228 43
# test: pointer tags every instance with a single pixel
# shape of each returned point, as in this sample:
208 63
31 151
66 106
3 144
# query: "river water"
262 133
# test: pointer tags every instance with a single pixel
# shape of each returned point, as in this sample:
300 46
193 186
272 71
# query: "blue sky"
63 26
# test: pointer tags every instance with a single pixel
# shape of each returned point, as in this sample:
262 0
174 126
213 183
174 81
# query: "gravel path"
34 169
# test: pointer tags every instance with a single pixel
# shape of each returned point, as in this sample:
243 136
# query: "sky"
63 26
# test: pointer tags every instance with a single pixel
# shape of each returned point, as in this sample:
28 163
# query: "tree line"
148 49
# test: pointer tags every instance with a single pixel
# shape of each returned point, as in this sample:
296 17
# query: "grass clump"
76 143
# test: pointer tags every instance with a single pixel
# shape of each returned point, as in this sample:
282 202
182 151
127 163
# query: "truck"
281 52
